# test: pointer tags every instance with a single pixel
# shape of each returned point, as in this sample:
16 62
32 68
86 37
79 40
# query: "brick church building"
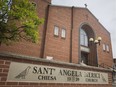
72 39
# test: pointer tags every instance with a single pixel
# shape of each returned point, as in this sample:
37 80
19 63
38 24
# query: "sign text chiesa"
48 74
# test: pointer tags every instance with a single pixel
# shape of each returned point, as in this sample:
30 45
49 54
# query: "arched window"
88 52
83 38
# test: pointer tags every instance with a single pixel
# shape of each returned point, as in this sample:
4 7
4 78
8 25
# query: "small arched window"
83 38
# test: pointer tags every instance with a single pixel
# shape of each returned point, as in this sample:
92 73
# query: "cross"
85 5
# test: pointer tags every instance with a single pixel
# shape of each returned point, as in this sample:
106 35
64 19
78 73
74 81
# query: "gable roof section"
84 9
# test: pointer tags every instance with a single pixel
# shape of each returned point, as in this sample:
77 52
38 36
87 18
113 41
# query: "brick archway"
88 54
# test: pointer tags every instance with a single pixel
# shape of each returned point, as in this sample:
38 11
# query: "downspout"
44 32
70 60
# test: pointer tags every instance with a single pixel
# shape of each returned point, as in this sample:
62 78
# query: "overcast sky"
104 11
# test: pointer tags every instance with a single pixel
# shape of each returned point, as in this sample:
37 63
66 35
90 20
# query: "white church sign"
21 72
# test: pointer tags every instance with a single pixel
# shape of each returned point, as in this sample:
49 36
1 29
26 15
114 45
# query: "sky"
103 10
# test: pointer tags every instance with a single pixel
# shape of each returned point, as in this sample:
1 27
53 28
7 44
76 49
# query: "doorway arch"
88 51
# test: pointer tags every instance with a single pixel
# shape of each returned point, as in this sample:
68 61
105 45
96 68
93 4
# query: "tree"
18 20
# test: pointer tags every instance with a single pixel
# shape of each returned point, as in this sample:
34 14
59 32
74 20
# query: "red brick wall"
4 68
60 48
103 57
27 48
56 46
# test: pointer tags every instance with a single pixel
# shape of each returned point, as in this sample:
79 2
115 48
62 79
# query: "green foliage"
18 21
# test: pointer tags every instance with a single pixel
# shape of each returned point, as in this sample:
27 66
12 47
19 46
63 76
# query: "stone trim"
18 56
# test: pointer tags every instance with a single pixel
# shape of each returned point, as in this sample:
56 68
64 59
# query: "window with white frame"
56 30
107 48
83 38
104 47
63 34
